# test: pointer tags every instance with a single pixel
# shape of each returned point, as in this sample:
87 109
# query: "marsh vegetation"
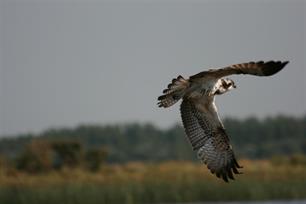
153 183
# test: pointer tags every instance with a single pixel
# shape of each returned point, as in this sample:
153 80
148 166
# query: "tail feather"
175 91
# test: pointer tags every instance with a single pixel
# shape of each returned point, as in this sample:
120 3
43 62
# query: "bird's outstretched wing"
259 68
208 137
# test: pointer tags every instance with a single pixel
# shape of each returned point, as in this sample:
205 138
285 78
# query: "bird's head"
228 84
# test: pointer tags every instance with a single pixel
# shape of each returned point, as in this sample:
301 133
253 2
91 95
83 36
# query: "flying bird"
202 124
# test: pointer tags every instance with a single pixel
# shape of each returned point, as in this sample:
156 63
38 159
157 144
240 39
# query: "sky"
65 63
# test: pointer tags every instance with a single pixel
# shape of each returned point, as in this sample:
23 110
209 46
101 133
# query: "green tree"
37 157
67 153
94 158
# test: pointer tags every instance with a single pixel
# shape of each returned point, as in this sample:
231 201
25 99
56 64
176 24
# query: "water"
263 202
252 202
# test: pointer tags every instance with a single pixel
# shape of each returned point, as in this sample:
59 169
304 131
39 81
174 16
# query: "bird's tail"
175 91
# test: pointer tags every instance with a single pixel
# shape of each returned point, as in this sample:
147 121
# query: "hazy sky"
65 63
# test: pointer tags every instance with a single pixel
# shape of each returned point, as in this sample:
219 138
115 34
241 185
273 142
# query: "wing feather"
209 139
259 68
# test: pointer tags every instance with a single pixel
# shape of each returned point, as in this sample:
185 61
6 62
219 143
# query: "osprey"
202 124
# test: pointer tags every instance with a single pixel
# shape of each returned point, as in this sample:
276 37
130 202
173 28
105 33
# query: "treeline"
41 155
251 138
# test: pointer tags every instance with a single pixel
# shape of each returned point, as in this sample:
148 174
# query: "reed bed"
153 183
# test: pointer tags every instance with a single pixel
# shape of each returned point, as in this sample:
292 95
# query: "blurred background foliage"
140 163
251 138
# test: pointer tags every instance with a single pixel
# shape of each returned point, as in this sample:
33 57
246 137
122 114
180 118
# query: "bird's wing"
253 68
207 136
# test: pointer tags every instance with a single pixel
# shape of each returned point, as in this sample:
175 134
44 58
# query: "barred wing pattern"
259 68
209 140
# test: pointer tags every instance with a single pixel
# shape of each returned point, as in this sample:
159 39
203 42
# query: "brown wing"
253 68
209 139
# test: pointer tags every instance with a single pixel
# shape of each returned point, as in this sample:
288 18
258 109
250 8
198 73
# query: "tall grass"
153 183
